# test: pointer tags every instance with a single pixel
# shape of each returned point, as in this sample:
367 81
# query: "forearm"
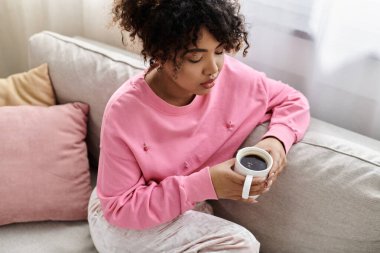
290 116
147 205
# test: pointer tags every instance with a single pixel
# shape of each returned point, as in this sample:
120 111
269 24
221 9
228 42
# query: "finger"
230 162
237 178
283 165
270 175
250 200
270 182
258 191
276 163
283 159
273 177
258 180
279 170
254 190
258 188
258 183
268 185
266 190
274 172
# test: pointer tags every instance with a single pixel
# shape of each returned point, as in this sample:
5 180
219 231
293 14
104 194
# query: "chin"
203 92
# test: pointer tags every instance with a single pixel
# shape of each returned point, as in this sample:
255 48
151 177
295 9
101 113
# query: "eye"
194 58
219 51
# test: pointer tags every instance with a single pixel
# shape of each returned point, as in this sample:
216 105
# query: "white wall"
19 19
97 24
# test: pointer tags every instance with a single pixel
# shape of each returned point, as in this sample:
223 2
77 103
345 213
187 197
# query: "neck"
162 85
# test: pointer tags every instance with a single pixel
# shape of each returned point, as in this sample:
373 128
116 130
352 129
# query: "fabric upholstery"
28 88
46 237
44 167
85 72
326 200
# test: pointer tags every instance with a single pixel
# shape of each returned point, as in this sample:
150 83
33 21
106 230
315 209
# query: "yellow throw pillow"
28 88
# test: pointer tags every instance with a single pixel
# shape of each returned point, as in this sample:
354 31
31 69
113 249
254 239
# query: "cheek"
220 62
190 73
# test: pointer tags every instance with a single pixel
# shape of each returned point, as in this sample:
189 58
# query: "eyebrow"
198 50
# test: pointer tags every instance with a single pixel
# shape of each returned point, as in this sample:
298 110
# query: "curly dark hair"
169 26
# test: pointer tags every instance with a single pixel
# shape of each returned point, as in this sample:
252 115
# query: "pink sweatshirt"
155 157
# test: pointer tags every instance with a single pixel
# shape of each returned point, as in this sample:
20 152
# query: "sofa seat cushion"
46 237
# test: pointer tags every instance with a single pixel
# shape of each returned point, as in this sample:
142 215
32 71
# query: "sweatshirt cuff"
283 133
199 187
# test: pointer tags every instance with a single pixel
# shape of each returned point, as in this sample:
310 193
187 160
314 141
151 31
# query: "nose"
213 76
211 69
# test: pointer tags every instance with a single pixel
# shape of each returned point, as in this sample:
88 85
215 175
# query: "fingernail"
270 183
253 201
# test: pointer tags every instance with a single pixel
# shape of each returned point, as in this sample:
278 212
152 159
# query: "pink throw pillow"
44 169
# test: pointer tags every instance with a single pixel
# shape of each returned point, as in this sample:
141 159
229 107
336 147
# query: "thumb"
230 162
236 177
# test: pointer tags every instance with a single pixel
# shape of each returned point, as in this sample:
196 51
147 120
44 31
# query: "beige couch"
327 200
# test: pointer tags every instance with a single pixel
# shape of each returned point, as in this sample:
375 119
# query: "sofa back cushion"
84 71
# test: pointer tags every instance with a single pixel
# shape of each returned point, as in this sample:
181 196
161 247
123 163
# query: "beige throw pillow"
29 88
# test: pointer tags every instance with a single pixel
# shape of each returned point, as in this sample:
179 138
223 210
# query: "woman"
169 134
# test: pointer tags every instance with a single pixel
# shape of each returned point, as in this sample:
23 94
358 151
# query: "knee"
94 206
253 243
97 224
248 240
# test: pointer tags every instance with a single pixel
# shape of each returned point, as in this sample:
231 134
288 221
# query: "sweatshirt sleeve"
288 110
129 201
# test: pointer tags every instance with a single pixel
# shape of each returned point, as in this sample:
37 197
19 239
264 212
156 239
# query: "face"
200 66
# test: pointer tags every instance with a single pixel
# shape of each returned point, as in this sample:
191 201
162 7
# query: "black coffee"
253 162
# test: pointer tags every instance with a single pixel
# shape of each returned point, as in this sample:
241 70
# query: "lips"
209 84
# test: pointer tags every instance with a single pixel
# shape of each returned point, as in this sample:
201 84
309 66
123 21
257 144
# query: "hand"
277 151
228 184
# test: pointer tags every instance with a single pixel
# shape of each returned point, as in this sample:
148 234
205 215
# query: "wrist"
280 141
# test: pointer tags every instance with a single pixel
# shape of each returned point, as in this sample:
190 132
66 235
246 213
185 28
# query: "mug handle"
247 186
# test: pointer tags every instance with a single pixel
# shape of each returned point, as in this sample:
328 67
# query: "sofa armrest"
326 200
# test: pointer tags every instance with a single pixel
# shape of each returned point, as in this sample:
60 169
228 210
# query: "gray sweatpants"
194 231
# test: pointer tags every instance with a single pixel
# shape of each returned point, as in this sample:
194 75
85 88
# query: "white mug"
251 173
